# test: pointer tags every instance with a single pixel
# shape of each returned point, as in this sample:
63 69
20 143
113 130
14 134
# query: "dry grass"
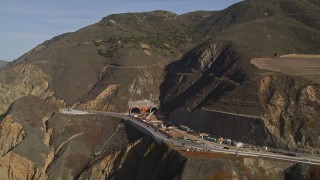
306 66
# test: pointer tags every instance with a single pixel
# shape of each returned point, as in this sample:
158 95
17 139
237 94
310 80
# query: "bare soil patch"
306 66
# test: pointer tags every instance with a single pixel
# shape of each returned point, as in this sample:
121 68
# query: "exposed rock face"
11 134
197 76
101 102
14 166
291 110
22 80
50 143
204 57
216 75
302 171
99 147
146 160
141 160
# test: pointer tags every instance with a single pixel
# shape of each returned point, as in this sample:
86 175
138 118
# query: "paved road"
159 137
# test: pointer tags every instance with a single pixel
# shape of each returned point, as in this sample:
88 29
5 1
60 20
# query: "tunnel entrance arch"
154 109
134 110
142 107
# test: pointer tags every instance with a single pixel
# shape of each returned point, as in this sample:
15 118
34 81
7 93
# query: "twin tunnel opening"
138 110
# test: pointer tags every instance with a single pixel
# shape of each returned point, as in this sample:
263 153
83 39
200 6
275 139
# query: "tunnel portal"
144 107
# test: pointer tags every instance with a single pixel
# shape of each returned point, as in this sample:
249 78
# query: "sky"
25 24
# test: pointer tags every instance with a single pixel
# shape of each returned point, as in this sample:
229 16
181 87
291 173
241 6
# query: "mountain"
3 63
190 62
217 74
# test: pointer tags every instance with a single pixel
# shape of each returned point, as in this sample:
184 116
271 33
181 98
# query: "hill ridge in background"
198 60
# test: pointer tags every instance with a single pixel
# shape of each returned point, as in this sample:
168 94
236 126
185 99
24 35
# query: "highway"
218 148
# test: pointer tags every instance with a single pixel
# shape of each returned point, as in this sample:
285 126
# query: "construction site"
148 113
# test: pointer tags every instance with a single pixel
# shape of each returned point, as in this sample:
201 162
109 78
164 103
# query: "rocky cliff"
146 160
44 144
216 75
198 60
291 110
40 143
22 80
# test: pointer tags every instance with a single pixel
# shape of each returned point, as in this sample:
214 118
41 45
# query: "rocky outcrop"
145 160
202 58
11 134
302 171
14 166
63 146
85 140
142 159
22 80
113 94
291 110
102 101
290 118
198 77
47 143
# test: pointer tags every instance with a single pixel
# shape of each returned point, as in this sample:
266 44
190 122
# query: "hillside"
217 74
199 60
100 147
3 63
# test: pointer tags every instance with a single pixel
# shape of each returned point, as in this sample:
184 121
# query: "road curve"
159 138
